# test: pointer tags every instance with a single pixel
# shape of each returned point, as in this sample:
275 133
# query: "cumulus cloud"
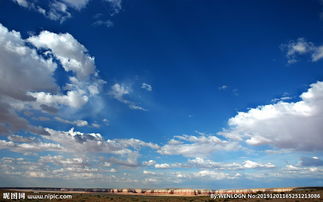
75 99
72 55
19 66
57 11
120 91
300 47
286 125
23 60
196 146
78 142
10 122
162 165
21 63
123 152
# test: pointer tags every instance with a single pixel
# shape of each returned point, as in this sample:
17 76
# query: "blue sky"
199 94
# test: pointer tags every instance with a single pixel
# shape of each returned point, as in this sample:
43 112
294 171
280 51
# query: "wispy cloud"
119 91
79 123
106 23
146 86
301 47
115 6
196 146
223 87
61 10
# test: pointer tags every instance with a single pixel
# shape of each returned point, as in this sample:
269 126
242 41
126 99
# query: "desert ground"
102 196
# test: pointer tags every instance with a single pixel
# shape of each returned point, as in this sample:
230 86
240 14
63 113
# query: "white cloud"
199 162
223 87
112 170
15 54
77 142
77 4
213 175
75 99
79 123
294 171
135 143
115 6
21 63
19 66
18 138
281 99
149 163
106 122
317 54
147 172
80 144
72 55
22 3
196 146
119 91
29 147
286 125
162 165
60 160
95 125
57 11
64 168
106 23
146 86
292 168
61 10
294 49
36 174
252 164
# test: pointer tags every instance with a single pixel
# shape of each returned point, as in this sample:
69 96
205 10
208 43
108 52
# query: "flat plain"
102 197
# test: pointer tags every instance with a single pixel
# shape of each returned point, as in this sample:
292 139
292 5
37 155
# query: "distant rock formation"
194 192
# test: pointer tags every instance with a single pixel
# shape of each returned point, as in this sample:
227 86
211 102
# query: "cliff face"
194 192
